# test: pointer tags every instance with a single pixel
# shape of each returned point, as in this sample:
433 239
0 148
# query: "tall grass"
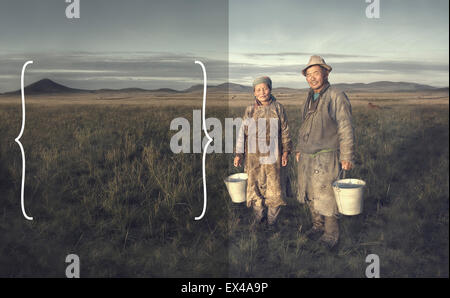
102 182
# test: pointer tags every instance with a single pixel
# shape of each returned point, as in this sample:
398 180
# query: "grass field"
101 182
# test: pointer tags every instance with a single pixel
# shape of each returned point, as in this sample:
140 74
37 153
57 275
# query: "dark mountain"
166 90
47 86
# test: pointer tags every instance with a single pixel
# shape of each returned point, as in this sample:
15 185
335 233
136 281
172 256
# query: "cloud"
284 54
89 70
435 74
152 70
381 67
390 66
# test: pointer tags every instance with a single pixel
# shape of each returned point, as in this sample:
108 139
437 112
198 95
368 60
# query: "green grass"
102 182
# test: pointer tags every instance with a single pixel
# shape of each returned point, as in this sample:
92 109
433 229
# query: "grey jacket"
328 126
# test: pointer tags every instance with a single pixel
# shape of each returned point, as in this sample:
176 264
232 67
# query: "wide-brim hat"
316 60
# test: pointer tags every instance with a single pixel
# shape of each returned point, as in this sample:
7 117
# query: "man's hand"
346 165
237 161
297 156
284 159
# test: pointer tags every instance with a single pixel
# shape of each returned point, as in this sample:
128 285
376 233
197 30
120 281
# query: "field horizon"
47 87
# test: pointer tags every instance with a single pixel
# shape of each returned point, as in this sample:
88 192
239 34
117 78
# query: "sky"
154 44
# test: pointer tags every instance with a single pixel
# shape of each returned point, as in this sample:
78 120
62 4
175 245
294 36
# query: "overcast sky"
153 44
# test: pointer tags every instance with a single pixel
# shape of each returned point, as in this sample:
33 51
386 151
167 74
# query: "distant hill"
386 86
281 90
125 90
232 87
195 88
225 87
381 86
47 86
444 89
129 90
166 90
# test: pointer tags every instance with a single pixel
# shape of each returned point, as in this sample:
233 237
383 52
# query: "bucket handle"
342 171
338 201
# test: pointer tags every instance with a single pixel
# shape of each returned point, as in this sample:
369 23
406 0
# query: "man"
325 146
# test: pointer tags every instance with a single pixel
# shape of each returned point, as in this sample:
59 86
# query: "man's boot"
331 234
318 226
258 213
272 214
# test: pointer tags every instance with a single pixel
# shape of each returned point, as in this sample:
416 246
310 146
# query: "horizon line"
211 86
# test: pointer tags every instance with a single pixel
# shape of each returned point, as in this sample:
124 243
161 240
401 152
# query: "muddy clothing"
264 184
315 176
326 226
260 212
325 138
317 220
327 124
331 235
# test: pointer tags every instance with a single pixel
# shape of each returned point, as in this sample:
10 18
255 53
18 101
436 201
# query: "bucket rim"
361 183
226 179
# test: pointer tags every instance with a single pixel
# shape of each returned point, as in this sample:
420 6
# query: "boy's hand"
284 159
297 156
237 161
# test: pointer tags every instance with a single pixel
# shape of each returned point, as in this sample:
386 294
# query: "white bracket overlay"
207 144
20 144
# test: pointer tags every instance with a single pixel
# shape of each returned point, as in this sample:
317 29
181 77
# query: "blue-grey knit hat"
265 80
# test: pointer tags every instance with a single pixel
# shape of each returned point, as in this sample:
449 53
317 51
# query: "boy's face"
262 92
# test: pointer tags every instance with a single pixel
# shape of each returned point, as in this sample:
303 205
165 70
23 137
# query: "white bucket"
237 187
349 195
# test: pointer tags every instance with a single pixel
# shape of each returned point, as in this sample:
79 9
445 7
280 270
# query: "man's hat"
316 60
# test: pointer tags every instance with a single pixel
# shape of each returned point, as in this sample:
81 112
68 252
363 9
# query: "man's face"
316 77
262 92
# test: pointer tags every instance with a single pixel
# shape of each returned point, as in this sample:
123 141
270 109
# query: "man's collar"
325 87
